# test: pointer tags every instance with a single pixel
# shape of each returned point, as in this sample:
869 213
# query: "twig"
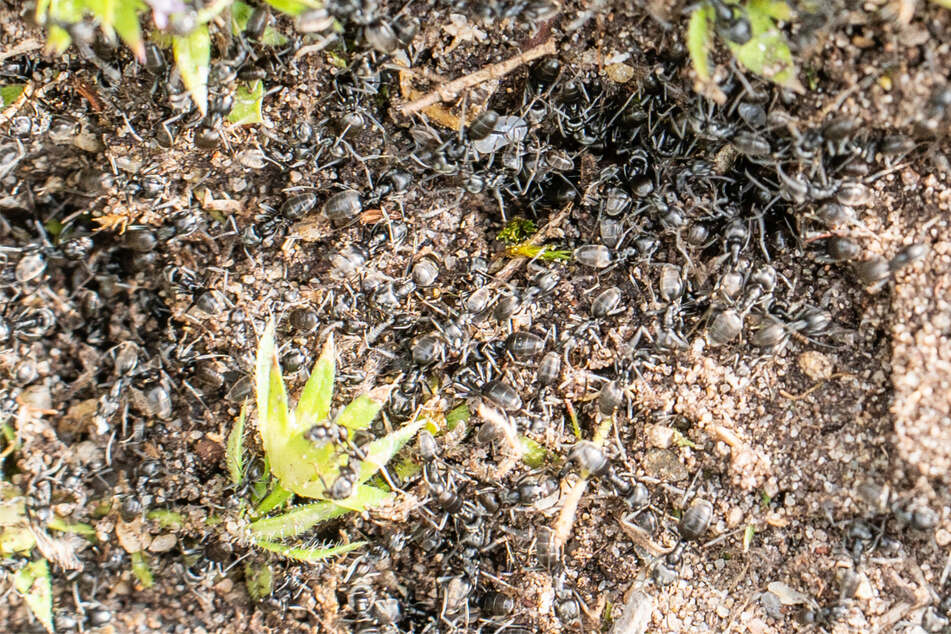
493 71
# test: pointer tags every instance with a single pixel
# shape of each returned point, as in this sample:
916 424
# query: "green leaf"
57 40
259 579
381 451
273 419
533 453
308 554
57 523
140 568
234 454
10 93
16 539
361 412
293 7
767 53
240 14
247 104
126 22
459 414
166 519
699 40
33 583
302 518
943 3
314 403
275 498
273 37
776 9
192 55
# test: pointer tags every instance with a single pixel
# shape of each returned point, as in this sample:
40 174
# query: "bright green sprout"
517 230
300 466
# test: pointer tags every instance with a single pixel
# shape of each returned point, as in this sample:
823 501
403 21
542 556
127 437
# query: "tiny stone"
659 435
619 73
163 543
665 465
816 365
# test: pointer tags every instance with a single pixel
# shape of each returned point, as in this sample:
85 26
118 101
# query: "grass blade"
308 554
234 454
193 55
314 403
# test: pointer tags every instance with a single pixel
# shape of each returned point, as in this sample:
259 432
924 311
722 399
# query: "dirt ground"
825 455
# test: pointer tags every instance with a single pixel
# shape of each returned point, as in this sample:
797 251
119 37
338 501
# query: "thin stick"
493 71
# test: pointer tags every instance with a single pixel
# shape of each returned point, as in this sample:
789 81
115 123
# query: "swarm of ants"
681 220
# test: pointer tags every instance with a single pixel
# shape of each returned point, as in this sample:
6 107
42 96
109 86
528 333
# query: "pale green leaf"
16 539
381 451
273 37
308 554
533 454
125 19
57 40
363 409
57 523
293 7
234 454
247 104
943 3
767 53
314 403
140 568
275 498
33 583
240 14
193 55
301 519
166 519
776 9
104 11
259 579
699 39
270 423
459 414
